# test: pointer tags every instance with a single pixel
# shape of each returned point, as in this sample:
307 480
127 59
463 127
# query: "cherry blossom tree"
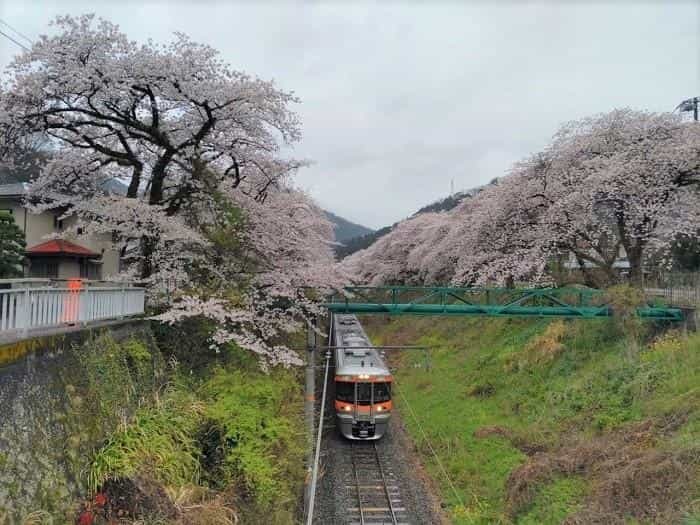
620 183
626 178
394 257
209 218
172 121
272 262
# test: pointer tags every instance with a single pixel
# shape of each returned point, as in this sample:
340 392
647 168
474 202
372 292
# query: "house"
621 263
63 257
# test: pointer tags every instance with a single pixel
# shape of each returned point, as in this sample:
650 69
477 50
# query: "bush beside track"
219 445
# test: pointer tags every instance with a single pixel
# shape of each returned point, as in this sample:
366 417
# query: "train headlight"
380 408
347 408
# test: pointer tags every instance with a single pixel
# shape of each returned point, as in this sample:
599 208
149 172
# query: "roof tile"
60 247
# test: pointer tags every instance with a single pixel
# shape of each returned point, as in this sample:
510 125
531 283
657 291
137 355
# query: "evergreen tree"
12 247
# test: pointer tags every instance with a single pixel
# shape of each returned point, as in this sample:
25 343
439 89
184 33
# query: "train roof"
357 356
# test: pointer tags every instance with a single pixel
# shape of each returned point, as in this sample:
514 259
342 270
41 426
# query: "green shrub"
160 442
257 414
228 429
555 501
119 375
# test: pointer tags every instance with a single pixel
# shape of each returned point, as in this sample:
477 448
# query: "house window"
44 268
90 270
57 223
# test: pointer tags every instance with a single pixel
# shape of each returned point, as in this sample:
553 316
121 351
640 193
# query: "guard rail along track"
372 485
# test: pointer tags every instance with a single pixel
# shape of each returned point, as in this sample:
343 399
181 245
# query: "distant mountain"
447 203
27 167
344 229
360 243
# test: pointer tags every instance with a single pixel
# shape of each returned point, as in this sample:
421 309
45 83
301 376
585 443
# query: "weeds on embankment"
218 448
552 421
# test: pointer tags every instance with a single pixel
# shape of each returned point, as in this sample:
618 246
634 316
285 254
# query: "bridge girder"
492 302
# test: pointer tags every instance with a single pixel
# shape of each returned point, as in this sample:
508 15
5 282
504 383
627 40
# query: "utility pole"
310 403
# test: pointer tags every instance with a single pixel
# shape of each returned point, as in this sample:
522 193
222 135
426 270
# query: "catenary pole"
310 402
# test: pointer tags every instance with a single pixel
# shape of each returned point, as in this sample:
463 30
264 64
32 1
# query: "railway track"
374 489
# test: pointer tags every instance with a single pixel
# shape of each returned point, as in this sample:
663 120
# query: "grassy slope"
537 421
219 443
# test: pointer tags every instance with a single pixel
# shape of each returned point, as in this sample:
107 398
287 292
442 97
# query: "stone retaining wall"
59 397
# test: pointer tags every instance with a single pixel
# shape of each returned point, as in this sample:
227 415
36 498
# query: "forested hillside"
344 229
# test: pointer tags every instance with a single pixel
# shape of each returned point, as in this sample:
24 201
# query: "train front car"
362 382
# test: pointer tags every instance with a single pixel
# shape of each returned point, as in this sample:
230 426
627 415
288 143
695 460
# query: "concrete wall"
59 398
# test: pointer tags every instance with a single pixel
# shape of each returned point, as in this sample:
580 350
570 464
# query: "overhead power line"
22 35
15 41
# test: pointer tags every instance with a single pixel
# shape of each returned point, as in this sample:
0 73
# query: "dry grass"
198 506
528 446
37 517
540 350
630 477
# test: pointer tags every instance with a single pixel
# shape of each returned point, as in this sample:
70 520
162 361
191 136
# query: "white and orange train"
362 382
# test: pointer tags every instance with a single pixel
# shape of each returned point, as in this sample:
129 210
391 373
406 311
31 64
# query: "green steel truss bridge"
581 303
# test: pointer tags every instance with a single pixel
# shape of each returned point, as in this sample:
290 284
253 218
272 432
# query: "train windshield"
364 393
345 391
382 392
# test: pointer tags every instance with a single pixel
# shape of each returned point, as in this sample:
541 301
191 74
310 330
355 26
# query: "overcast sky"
398 100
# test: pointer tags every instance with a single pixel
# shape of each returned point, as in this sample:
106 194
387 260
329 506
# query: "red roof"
60 247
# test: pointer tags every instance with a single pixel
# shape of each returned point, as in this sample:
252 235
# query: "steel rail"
357 484
386 488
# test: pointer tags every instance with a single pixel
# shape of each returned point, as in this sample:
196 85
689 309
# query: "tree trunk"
634 256
147 248
158 178
133 191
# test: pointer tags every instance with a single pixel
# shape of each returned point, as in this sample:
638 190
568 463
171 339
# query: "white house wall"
99 243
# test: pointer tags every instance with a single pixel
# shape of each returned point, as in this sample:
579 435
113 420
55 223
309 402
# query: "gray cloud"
400 99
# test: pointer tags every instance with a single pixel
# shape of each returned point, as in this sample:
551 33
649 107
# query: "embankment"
547 422
147 424
60 397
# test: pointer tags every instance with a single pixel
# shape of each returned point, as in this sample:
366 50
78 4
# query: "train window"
382 392
345 391
364 393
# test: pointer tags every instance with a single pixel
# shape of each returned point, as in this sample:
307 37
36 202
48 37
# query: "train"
362 382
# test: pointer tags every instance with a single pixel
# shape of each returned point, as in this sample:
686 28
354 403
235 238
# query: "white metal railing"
30 308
